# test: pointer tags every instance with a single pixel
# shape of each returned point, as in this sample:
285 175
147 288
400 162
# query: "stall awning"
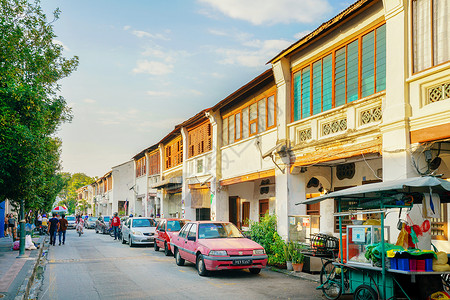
200 198
328 154
167 182
381 189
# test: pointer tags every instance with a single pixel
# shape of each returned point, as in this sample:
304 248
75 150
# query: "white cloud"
302 34
88 100
126 27
61 44
195 92
253 57
159 93
260 12
144 34
153 67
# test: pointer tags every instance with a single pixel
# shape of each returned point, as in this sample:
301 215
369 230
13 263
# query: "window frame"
239 111
309 64
433 65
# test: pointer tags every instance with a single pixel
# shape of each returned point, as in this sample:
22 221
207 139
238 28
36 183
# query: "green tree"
83 206
69 192
31 109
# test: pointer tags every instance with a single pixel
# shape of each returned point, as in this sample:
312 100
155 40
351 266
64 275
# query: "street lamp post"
22 229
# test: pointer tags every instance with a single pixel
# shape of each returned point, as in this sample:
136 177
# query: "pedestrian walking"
115 224
62 229
12 226
53 228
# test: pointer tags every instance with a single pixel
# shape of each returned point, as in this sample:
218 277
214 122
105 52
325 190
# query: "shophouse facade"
140 185
122 190
361 104
245 129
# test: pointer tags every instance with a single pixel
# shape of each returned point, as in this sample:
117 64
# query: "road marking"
90 260
221 285
182 271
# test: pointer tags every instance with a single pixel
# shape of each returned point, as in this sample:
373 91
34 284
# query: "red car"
164 232
214 245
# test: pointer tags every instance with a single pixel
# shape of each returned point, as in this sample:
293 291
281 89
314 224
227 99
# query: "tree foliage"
31 109
265 233
69 192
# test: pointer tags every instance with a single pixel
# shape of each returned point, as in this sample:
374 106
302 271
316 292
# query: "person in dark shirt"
53 228
62 229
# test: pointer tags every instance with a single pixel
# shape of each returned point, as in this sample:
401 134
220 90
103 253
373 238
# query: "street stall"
373 268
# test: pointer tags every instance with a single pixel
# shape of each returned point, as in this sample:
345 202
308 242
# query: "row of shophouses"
363 98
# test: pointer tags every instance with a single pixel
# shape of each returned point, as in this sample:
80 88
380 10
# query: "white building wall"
123 181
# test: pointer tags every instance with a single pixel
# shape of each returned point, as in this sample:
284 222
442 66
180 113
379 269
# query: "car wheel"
254 270
201 268
156 246
130 241
179 261
167 252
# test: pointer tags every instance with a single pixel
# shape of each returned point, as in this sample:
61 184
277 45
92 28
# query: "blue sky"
147 65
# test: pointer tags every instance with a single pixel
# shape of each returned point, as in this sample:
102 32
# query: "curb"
301 275
24 289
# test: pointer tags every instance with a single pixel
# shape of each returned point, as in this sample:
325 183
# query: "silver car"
71 222
138 231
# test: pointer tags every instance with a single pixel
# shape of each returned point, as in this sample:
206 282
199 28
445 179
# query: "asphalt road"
94 266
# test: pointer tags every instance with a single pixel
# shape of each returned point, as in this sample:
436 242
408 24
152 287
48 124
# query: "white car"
71 222
139 230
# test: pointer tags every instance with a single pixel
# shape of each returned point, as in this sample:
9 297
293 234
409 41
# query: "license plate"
241 262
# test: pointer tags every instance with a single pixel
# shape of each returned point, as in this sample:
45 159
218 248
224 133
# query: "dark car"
102 224
163 235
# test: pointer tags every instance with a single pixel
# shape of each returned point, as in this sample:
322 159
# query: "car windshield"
144 223
106 219
174 225
218 230
92 219
70 218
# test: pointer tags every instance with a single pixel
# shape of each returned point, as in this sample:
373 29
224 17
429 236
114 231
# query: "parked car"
213 245
90 222
139 230
71 222
164 232
102 224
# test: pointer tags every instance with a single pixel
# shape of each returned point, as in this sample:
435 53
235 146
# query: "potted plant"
288 251
297 259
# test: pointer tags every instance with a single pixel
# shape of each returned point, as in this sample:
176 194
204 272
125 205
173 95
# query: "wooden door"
263 207
245 213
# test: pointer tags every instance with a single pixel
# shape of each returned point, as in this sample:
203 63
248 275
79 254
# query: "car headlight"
259 252
218 252
135 232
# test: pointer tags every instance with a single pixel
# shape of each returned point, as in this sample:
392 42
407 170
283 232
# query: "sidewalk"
302 275
15 273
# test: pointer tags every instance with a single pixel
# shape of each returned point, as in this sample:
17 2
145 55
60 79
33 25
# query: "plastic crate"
403 264
429 265
394 262
413 265
420 265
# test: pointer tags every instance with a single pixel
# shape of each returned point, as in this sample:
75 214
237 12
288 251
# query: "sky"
147 65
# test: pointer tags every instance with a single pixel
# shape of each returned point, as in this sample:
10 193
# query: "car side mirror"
191 238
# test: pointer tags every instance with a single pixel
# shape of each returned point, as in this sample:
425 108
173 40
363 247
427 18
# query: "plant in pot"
289 248
297 260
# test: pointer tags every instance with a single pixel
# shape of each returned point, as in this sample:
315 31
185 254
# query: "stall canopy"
389 189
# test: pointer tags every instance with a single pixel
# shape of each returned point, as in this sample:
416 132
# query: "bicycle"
331 276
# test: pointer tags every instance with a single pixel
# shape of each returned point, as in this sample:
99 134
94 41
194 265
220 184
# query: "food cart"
383 281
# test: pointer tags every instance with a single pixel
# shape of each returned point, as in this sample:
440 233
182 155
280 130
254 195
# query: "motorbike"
119 232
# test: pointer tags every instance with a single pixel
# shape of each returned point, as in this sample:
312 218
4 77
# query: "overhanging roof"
381 189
